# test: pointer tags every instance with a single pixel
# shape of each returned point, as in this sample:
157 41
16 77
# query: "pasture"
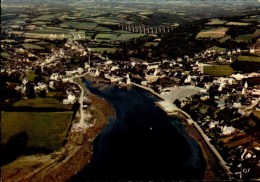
238 23
249 58
216 21
212 33
32 46
218 70
79 25
224 39
218 49
103 49
45 129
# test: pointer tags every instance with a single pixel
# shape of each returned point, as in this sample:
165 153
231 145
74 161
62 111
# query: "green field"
218 70
44 129
148 44
224 39
46 17
32 46
218 49
30 75
117 37
102 49
125 37
5 55
248 37
39 102
107 36
79 25
49 32
102 29
248 58
216 22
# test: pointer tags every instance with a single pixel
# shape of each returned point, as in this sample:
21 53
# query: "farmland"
39 102
117 37
238 23
32 46
249 58
224 39
79 25
216 22
45 129
248 37
212 33
218 70
103 49
30 75
218 49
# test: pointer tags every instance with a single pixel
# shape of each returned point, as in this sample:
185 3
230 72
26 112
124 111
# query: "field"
46 17
30 75
224 39
148 44
39 102
79 25
44 129
32 46
216 22
248 37
213 33
102 49
5 55
218 49
117 37
218 70
46 33
125 37
248 58
102 29
238 23
107 36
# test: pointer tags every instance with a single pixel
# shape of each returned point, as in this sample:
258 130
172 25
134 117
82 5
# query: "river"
142 142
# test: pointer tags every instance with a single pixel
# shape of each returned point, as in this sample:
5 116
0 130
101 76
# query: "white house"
70 100
54 76
213 124
188 79
227 130
25 81
144 82
128 80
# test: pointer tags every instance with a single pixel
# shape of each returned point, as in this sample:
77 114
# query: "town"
222 103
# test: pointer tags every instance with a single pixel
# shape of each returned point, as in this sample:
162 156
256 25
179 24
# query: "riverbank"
73 157
213 170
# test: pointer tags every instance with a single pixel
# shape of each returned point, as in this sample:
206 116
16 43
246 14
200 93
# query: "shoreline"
213 170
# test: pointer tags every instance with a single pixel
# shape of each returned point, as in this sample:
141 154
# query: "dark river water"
142 143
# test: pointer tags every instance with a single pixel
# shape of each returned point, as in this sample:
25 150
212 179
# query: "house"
213 124
227 130
144 82
25 81
54 76
70 100
128 80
